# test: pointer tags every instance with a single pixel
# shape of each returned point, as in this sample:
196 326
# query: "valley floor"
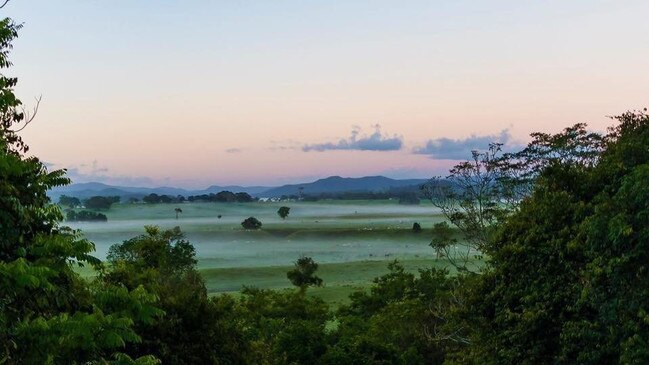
353 241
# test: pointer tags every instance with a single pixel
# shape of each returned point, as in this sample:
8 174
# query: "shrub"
416 227
251 223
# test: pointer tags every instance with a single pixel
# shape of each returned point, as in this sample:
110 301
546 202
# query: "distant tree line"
223 197
94 202
405 196
154 198
85 216
69 201
100 202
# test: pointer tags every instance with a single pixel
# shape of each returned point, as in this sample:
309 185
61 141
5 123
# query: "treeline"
405 196
105 202
223 197
154 198
85 216
220 197
95 202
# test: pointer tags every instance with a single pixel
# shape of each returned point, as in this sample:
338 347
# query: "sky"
197 93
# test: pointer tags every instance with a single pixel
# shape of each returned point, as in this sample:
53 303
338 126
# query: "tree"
282 212
251 223
225 197
283 327
401 319
303 274
416 227
195 329
48 313
567 278
69 201
101 202
178 210
481 193
470 198
244 197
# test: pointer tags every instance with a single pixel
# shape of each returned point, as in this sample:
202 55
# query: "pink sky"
163 94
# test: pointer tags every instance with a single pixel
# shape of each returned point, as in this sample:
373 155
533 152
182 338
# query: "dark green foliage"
48 314
85 216
101 202
244 198
282 212
303 275
397 322
69 201
223 197
165 251
194 329
251 223
283 327
569 279
416 227
154 198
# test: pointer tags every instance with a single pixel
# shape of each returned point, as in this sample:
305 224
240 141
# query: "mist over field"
329 232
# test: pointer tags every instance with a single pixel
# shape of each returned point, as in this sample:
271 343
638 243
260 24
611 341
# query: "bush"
282 212
251 223
416 227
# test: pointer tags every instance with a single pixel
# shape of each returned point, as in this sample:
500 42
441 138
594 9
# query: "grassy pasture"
353 241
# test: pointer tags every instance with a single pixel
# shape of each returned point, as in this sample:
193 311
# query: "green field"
352 240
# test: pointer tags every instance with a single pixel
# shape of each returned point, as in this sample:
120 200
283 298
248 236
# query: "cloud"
233 150
373 142
284 145
460 149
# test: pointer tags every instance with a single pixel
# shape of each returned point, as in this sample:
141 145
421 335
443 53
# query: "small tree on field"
251 223
178 211
283 212
416 227
302 275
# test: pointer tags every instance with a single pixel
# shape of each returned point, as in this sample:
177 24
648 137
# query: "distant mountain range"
329 185
337 184
86 190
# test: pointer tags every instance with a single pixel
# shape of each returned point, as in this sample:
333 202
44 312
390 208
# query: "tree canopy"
283 212
48 314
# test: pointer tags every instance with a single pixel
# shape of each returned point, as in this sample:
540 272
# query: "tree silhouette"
303 275
178 210
283 212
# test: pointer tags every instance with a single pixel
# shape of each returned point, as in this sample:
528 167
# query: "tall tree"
568 279
303 274
48 314
195 329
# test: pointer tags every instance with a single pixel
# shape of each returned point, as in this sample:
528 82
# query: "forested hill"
337 184
86 190
333 184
